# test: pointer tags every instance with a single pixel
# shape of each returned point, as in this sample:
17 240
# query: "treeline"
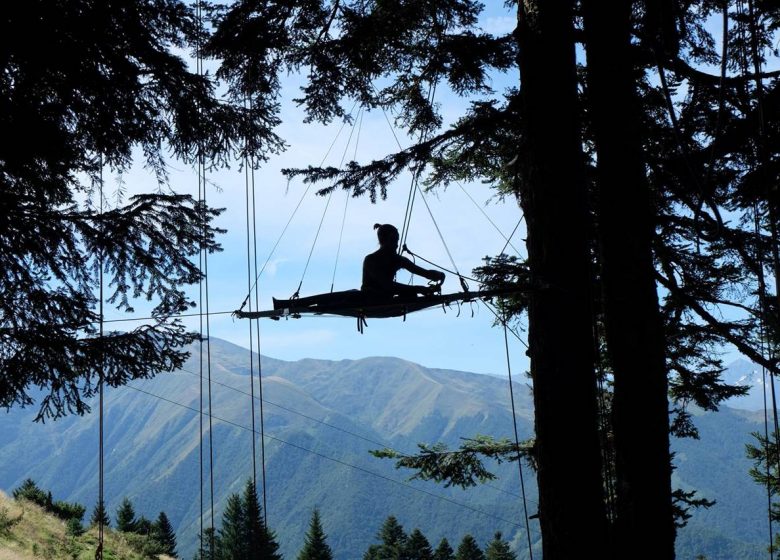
245 535
396 544
149 538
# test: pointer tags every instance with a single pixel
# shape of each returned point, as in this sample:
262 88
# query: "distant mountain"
747 374
320 419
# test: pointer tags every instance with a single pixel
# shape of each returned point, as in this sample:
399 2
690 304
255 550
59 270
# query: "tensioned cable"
771 215
101 502
248 102
295 210
517 441
520 221
346 201
333 459
489 219
259 356
203 290
324 213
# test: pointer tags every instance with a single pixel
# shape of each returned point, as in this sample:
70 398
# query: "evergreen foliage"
468 549
260 540
144 526
163 533
444 551
209 545
393 540
315 545
99 514
30 491
83 87
232 535
126 521
418 547
243 533
74 527
498 549
647 151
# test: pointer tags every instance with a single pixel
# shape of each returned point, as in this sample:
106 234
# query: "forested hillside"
321 418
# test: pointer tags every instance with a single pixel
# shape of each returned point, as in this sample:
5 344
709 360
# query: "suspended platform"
355 303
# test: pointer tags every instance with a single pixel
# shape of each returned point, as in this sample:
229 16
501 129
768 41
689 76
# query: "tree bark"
633 323
551 188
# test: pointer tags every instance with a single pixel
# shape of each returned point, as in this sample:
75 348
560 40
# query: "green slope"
321 418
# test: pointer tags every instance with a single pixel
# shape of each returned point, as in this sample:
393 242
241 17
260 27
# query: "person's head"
387 234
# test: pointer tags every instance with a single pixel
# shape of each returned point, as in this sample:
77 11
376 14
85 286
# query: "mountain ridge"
320 419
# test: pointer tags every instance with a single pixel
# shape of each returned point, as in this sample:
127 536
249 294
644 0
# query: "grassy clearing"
27 532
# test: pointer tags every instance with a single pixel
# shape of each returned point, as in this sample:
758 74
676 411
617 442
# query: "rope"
771 215
517 441
507 244
248 103
346 201
766 454
313 245
203 293
406 249
259 356
436 225
294 212
101 480
492 223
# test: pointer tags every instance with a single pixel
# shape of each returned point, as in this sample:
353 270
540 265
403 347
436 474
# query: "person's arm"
432 275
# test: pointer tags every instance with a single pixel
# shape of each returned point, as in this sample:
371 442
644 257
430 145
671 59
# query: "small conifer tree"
261 541
233 542
73 527
393 539
163 533
144 526
99 514
417 547
444 551
468 549
315 546
209 547
498 549
125 517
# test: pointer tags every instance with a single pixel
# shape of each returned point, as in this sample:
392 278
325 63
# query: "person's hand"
427 290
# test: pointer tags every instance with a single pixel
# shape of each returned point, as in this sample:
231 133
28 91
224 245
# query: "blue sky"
432 338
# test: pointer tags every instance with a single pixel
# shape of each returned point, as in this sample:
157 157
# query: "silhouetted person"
380 267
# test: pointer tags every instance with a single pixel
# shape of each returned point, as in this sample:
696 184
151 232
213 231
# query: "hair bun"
377 226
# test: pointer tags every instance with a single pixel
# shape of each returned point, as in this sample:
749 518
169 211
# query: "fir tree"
233 542
144 526
498 549
73 527
315 546
104 82
208 545
417 547
444 551
261 541
372 552
393 540
468 549
163 533
99 514
126 521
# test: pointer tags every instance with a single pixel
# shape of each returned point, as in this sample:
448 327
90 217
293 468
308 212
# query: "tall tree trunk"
634 328
552 191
